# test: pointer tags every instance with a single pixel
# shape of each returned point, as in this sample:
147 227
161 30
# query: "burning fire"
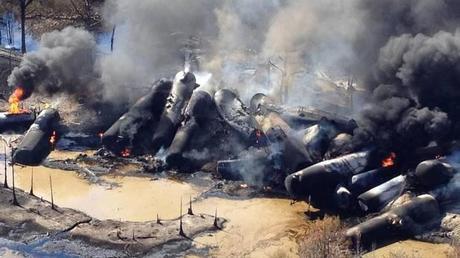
14 101
389 161
258 135
126 152
53 138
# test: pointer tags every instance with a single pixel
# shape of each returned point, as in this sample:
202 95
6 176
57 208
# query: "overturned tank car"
39 140
191 144
16 122
182 88
132 133
411 218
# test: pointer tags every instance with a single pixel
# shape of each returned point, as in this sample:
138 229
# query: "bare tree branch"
28 2
76 8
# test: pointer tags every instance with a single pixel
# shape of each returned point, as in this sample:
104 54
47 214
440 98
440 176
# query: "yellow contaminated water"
134 199
257 227
412 248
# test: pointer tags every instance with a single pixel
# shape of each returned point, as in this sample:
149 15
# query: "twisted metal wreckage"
308 152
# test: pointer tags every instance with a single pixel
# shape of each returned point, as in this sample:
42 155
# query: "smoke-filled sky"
406 53
411 64
64 62
229 36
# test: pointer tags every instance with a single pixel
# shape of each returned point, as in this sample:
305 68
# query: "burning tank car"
411 201
39 140
309 153
16 119
259 144
188 127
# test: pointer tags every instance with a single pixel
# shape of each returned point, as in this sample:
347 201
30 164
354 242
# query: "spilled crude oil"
256 227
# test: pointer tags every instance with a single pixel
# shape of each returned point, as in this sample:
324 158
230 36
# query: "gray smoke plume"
152 38
449 193
64 63
226 38
405 53
233 39
315 34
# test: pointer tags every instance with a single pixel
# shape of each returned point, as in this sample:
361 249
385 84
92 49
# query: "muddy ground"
35 228
105 206
102 202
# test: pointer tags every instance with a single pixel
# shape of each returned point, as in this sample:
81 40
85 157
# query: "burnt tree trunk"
23 6
112 38
23 25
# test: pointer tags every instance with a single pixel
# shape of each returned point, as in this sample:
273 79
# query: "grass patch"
324 238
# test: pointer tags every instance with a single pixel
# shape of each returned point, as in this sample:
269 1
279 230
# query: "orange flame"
53 138
126 152
14 101
100 136
389 161
258 135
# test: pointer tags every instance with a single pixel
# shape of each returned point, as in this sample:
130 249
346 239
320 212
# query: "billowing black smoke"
428 66
415 83
64 63
390 18
394 121
406 53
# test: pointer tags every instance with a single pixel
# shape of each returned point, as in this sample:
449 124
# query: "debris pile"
309 152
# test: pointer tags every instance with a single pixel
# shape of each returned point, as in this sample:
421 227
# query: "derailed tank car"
39 140
16 122
319 182
134 130
235 113
194 135
408 219
182 89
